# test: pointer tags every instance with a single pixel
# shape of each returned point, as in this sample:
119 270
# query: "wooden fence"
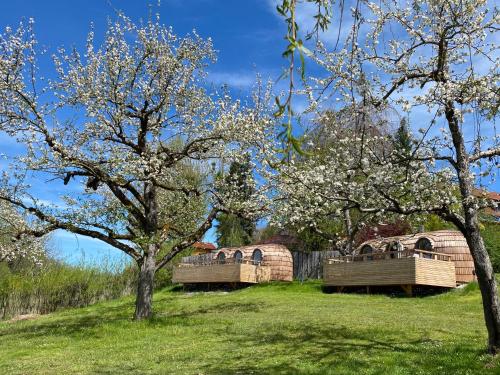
305 265
310 265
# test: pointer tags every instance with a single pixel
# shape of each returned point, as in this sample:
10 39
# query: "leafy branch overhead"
287 10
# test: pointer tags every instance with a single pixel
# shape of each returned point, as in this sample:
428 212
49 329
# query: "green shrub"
26 288
57 285
491 237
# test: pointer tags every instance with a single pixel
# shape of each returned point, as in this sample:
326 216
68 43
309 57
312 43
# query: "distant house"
200 248
493 196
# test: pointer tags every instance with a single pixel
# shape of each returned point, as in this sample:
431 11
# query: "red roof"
204 246
486 194
494 196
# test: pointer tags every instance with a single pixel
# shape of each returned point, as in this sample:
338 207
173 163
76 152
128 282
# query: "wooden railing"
222 261
390 255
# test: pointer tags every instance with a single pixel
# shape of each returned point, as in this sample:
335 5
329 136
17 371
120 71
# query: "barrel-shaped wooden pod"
442 241
277 257
453 243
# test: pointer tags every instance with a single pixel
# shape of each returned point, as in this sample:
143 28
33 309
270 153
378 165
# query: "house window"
238 256
257 256
221 257
367 249
424 244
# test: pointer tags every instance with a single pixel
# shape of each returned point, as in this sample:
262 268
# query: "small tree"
233 230
121 122
403 139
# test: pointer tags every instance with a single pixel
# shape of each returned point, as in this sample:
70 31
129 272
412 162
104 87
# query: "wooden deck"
221 273
391 268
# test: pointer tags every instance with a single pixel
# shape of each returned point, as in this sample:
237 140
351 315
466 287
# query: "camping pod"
277 257
243 264
448 242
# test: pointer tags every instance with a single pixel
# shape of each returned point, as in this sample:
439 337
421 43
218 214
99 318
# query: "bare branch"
190 239
54 223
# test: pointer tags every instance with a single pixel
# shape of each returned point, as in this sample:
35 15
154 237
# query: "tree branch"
54 223
190 239
492 152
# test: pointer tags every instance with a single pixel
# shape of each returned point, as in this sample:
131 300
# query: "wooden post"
408 289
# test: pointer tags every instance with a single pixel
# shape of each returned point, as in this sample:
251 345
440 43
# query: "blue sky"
247 34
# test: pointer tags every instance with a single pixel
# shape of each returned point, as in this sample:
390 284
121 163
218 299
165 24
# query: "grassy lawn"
277 328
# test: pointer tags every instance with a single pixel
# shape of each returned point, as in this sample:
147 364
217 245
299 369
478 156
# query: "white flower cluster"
13 244
367 175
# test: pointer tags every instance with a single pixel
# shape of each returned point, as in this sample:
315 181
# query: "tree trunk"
487 282
147 266
145 287
470 229
349 231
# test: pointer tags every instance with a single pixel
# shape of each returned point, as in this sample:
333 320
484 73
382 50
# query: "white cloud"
241 80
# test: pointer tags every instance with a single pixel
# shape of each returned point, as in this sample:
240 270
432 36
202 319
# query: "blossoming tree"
119 126
355 178
439 56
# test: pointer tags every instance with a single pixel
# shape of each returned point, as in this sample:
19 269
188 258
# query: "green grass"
267 329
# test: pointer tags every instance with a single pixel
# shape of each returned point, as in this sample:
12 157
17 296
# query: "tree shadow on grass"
68 325
120 368
198 316
317 349
88 322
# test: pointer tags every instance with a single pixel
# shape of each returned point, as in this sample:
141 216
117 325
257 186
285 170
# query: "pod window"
394 248
424 244
367 249
257 256
221 257
238 256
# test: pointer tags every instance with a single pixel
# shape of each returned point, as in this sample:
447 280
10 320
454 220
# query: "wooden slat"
277 257
405 271
221 273
449 242
435 272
